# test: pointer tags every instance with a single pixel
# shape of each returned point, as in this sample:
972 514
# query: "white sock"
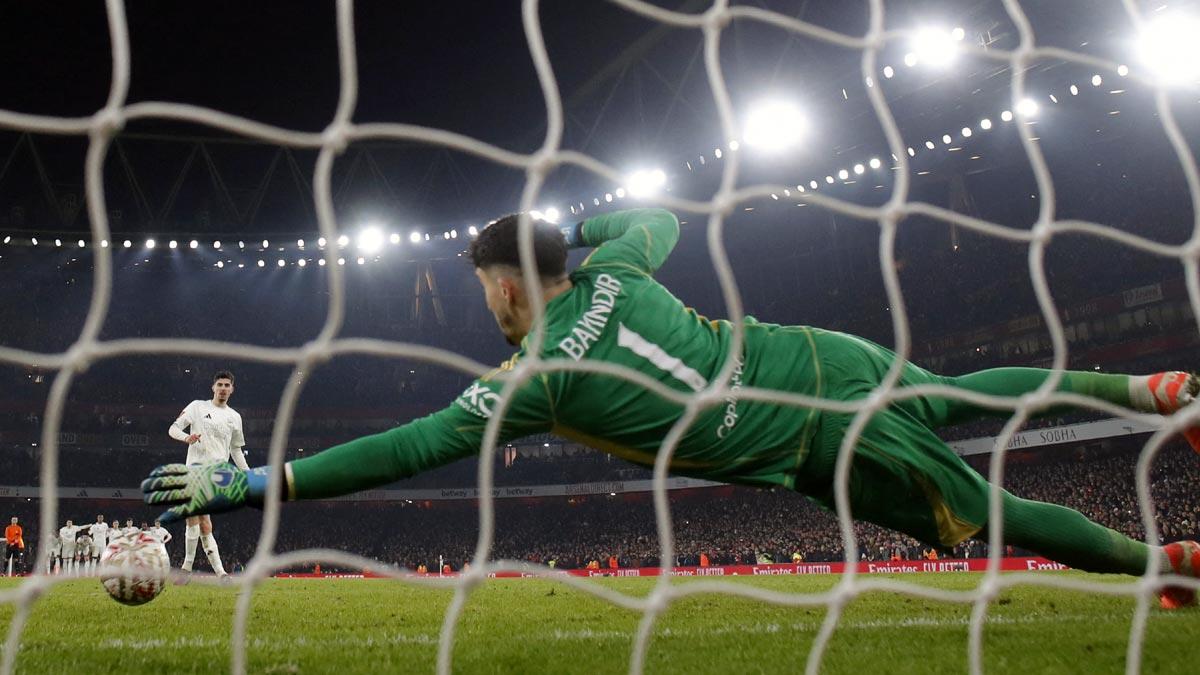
1140 395
189 548
214 556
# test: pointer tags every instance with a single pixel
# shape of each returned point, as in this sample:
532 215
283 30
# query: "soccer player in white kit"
99 533
213 432
66 536
160 533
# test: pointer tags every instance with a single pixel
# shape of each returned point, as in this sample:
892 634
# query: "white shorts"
97 550
68 553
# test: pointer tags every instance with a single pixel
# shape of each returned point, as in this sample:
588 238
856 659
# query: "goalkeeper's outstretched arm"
371 461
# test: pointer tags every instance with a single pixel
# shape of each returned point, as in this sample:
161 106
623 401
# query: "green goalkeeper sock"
1017 381
1066 536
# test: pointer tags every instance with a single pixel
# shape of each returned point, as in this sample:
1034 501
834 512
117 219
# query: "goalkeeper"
611 309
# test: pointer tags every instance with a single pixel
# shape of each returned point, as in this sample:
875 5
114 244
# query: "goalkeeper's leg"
1068 537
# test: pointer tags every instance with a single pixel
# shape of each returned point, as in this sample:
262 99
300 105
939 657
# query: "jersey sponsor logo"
731 401
478 400
589 326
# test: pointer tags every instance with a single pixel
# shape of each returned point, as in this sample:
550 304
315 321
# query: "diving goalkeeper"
611 309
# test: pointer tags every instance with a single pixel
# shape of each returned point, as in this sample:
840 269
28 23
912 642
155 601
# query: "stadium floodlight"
935 46
875 163
172 244
220 264
910 59
127 243
454 234
150 243
262 264
843 174
446 235
321 262
889 72
394 238
241 244
859 169
1097 80
717 153
414 237
7 238
645 182
82 243
34 241
58 242
193 244
1122 70
217 244
361 260
608 197
958 33
912 153
985 124
552 214
369 240
281 263
1074 90
266 244
829 179
620 193
966 132
930 145
103 243
473 231
814 184
773 126
946 139
302 262
299 243
1027 107
1006 115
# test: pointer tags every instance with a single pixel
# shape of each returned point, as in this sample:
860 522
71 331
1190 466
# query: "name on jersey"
589 326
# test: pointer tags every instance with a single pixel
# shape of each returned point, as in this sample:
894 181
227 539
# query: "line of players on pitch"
76 549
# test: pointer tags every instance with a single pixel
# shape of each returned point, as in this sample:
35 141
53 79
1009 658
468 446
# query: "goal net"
712 215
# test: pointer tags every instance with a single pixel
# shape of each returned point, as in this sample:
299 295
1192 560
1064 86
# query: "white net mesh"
101 128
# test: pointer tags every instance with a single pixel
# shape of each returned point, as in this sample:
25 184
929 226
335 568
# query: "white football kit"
99 533
220 432
67 536
161 534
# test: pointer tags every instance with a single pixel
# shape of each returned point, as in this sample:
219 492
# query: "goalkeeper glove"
197 490
573 234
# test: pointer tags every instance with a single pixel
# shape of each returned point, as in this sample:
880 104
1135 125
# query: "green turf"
536 626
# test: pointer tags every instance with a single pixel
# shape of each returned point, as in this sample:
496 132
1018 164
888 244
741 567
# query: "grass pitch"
537 626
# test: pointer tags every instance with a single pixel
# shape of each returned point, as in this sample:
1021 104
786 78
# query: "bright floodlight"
644 182
1097 80
193 243
34 241
935 46
930 145
985 124
126 243
300 243
370 240
1027 107
220 264
172 244
150 243
473 231
774 126
82 243
281 263
875 163
302 262
217 244
1006 116
888 72
394 238
966 132
859 169
414 237
266 244
343 241
262 264
843 174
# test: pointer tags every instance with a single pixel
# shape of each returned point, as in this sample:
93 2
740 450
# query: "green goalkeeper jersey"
615 312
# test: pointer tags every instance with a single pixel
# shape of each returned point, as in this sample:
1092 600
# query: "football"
134 568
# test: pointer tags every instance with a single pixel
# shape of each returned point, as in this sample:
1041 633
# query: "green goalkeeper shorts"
903 476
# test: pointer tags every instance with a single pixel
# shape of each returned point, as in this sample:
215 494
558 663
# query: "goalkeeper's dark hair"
497 245
223 375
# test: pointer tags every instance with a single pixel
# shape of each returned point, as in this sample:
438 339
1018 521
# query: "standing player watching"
213 433
14 547
66 540
99 532
612 310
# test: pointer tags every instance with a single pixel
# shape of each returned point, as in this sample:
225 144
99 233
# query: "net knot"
336 137
108 121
